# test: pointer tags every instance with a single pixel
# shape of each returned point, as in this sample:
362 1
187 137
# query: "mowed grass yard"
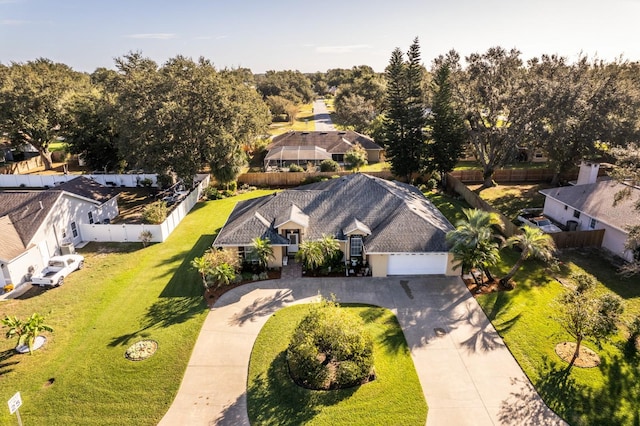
393 398
125 293
605 395
305 121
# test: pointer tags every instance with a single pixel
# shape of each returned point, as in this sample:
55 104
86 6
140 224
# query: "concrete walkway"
467 374
322 117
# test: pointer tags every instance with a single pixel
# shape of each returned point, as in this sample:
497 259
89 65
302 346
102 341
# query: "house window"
356 246
248 254
592 224
576 214
566 207
74 230
338 158
90 217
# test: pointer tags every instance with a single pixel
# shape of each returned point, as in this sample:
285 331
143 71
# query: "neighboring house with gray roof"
36 225
390 226
591 205
314 147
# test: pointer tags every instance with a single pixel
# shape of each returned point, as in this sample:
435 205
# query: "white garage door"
417 264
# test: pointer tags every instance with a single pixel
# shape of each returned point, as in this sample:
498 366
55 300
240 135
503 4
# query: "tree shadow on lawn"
5 362
273 397
614 403
393 339
180 300
524 407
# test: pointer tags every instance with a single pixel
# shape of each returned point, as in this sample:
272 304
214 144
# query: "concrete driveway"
467 374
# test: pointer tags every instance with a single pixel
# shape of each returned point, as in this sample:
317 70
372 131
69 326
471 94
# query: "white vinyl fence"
131 233
50 181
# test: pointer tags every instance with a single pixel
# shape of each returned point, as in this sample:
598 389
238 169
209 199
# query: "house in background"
314 147
389 226
36 225
590 204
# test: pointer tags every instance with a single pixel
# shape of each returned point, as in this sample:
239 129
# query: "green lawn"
57 146
305 121
375 167
394 398
124 293
608 394
510 199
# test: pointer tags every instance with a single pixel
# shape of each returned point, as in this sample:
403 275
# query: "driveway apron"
467 374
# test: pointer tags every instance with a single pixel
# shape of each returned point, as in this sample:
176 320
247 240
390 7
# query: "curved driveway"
467 374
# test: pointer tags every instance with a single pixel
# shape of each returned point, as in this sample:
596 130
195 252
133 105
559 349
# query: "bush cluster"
155 213
330 349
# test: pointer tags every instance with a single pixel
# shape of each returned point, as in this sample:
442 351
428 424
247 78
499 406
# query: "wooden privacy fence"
294 178
21 166
509 175
475 201
578 239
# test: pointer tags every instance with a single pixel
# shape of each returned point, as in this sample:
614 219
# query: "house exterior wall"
374 156
16 271
276 260
614 239
378 263
450 272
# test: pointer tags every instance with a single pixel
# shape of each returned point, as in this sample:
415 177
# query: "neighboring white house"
35 225
591 205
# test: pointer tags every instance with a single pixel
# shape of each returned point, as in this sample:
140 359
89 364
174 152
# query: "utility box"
67 249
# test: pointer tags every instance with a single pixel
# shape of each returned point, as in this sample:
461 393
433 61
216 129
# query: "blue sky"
310 36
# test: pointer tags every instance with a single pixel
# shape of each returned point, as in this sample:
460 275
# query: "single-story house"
390 226
36 225
591 205
314 147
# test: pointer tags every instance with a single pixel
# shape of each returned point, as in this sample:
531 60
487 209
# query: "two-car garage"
417 263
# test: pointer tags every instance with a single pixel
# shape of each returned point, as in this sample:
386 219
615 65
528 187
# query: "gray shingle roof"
27 210
88 188
400 218
597 200
335 142
12 244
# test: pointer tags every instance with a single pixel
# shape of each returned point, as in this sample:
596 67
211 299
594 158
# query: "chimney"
588 173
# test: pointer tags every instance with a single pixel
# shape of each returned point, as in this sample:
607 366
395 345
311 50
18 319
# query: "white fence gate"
50 181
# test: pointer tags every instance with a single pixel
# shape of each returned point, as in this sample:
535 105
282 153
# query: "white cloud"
342 49
13 22
222 37
157 36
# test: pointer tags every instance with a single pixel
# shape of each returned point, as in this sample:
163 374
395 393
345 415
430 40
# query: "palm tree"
310 254
533 243
222 274
474 243
26 331
261 249
203 266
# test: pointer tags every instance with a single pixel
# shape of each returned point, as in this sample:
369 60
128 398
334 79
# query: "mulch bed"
212 295
586 357
486 287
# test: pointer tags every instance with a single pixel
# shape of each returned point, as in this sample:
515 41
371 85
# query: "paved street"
322 117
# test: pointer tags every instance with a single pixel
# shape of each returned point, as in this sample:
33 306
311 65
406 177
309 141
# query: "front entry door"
294 240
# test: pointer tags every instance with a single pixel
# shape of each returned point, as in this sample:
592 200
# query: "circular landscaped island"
277 394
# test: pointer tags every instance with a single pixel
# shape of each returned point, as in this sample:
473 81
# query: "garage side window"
90 217
74 229
356 246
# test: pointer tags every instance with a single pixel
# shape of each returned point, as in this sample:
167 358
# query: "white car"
57 270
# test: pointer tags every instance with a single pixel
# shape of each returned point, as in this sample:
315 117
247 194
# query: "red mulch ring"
486 287
212 295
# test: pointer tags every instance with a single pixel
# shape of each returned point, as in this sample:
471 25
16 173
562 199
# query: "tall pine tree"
447 126
405 120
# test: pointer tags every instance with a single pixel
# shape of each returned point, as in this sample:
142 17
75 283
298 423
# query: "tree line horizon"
181 115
